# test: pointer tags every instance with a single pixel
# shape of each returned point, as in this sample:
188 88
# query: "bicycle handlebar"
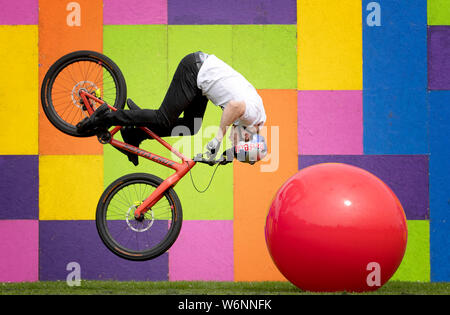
226 157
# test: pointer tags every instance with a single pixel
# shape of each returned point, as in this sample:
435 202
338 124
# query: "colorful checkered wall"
360 82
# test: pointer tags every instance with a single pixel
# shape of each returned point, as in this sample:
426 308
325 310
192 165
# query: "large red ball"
336 227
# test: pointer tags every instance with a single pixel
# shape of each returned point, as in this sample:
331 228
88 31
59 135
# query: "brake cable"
210 181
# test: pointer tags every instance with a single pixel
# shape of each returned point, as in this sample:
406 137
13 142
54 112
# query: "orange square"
65 27
255 186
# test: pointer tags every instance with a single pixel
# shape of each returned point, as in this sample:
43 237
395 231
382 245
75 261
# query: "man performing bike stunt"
198 78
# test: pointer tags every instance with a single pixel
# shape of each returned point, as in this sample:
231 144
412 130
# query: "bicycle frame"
181 169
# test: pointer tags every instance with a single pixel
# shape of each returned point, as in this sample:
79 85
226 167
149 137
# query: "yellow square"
329 35
69 186
19 89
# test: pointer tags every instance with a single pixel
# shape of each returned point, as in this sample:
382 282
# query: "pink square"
23 12
330 122
19 248
203 252
134 12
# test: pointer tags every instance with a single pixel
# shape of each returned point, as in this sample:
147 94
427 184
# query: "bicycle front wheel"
122 233
87 71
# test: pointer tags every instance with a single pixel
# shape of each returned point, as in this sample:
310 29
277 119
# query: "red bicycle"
139 216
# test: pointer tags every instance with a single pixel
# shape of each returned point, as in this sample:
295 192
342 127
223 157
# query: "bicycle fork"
182 169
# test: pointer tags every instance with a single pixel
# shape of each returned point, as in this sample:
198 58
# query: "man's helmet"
251 151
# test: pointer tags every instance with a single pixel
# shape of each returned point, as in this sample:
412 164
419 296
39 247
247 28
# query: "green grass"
200 288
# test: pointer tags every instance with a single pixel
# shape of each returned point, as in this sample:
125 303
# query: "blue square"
395 53
439 185
395 121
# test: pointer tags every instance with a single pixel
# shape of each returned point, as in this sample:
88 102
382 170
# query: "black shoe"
133 136
95 122
132 105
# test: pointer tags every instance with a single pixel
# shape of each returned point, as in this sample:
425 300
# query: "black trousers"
183 96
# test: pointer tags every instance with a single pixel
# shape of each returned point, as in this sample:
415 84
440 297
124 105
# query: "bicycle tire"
78 79
105 227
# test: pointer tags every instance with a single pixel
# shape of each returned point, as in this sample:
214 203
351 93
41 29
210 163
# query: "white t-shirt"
221 84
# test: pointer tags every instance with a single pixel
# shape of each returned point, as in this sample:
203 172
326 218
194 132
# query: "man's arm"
233 110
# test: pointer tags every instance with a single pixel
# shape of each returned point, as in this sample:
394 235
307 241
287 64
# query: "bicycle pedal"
104 137
98 93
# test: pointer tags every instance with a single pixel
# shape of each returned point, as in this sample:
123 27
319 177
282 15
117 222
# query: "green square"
438 12
416 262
140 51
211 39
214 204
266 55
217 202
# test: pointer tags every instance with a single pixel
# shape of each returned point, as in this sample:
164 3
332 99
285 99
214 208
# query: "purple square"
439 57
406 175
232 12
63 242
19 187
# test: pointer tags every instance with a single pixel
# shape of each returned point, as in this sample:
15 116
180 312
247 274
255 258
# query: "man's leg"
182 95
193 116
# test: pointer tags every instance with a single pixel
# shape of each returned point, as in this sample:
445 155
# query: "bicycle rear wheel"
122 233
84 70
